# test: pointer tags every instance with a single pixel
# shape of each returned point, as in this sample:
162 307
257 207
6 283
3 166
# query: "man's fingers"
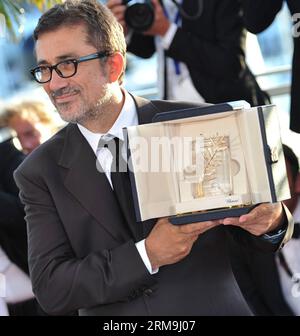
231 221
199 226
156 5
247 218
262 211
263 218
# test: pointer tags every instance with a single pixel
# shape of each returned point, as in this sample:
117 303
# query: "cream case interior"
199 164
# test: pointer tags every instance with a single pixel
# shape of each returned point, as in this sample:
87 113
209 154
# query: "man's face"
83 96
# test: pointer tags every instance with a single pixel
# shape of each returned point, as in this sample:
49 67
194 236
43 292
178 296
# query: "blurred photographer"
32 122
258 16
200 46
13 238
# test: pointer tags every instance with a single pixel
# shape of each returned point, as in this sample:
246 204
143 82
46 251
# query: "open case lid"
274 156
260 124
198 111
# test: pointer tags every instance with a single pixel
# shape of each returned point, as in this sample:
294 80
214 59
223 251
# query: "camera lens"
139 16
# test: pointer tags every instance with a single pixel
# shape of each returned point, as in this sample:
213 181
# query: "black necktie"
121 185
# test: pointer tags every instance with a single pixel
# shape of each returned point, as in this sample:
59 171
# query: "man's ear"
116 66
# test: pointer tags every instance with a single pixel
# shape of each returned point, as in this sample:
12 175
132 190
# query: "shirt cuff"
284 231
167 39
143 253
276 237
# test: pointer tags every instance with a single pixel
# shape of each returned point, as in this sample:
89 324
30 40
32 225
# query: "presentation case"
206 163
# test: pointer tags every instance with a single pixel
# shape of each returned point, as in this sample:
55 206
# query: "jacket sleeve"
220 55
61 281
258 15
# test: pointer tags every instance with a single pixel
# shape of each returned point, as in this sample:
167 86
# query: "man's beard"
85 111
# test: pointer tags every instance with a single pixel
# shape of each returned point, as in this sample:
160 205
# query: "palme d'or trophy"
210 171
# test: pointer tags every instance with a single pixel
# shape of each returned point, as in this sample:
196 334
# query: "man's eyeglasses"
65 69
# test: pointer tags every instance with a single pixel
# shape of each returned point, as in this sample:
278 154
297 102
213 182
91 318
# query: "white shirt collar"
127 117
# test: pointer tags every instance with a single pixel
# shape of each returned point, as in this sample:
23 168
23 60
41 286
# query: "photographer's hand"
161 23
118 9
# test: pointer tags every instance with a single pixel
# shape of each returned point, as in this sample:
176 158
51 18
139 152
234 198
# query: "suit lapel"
90 187
145 110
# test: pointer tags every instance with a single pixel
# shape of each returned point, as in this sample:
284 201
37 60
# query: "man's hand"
118 9
161 24
168 243
264 218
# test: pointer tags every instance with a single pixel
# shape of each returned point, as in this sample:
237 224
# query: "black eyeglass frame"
74 61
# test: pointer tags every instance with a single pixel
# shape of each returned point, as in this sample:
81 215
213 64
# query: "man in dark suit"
202 45
266 279
86 250
258 16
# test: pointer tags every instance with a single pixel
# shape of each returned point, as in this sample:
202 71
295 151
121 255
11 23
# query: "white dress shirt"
127 117
3 307
15 285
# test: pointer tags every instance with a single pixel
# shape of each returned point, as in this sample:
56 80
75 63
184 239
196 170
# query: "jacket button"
133 295
148 291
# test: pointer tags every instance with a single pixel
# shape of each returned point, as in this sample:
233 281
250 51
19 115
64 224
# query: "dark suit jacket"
258 278
13 237
258 16
212 47
82 253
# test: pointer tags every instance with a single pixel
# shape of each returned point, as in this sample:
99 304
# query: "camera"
139 14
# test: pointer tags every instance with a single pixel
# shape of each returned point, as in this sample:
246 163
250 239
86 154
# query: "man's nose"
57 82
